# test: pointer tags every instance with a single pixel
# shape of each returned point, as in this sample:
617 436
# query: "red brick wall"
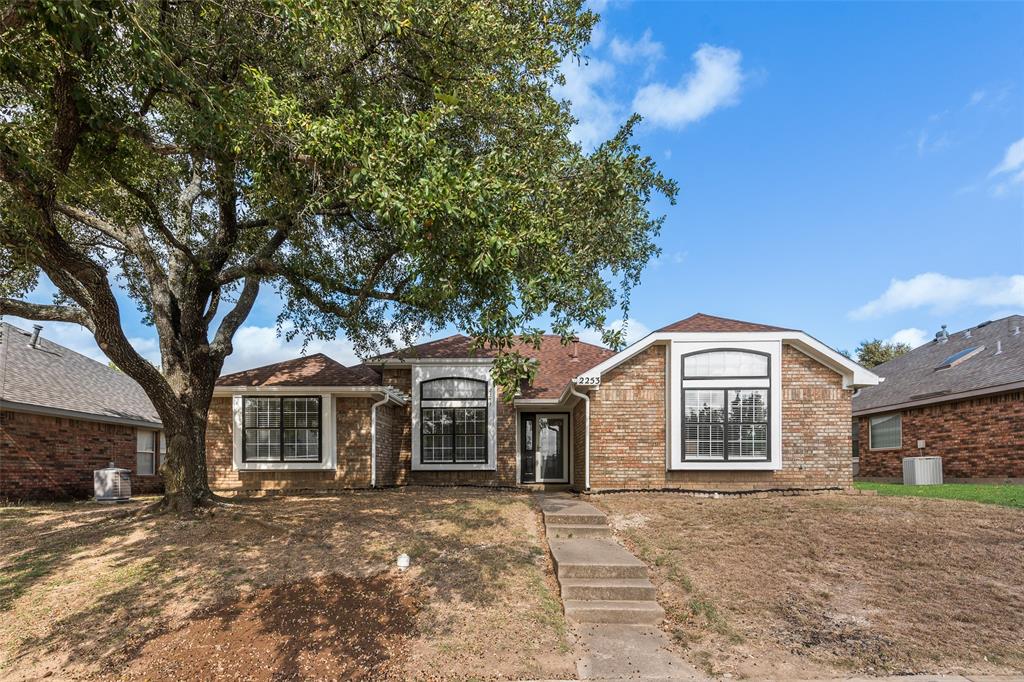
44 457
980 438
628 444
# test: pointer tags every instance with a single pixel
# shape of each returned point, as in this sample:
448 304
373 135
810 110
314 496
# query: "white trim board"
854 375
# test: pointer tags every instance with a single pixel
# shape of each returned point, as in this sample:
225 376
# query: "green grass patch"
1005 495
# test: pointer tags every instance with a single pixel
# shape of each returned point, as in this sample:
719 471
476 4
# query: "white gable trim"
854 376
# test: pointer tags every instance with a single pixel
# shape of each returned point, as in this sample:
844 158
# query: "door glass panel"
528 434
550 452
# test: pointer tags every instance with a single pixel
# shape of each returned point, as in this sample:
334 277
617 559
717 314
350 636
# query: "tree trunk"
184 466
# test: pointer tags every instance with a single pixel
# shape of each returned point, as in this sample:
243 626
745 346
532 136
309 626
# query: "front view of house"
706 403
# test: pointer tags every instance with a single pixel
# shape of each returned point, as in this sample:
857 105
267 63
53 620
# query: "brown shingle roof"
312 370
709 323
556 366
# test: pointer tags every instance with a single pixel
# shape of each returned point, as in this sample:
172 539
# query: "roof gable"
701 322
53 377
992 356
311 370
557 364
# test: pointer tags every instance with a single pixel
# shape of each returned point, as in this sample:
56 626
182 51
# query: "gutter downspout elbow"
586 434
373 439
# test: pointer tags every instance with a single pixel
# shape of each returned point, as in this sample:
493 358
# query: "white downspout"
373 440
586 434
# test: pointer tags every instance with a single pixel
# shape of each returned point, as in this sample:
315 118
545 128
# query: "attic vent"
960 356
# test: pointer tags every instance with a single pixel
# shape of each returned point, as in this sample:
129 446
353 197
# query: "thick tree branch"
221 345
47 313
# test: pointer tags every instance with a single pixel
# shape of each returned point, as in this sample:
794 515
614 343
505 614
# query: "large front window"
723 420
281 429
453 421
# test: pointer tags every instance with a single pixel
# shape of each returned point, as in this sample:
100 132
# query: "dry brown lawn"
285 588
789 587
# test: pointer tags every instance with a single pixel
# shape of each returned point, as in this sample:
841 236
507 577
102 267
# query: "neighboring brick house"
706 403
63 415
959 396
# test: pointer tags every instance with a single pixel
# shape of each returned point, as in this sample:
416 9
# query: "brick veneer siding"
628 443
52 458
981 438
353 453
505 473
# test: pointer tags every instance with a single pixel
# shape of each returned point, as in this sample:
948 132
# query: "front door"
544 448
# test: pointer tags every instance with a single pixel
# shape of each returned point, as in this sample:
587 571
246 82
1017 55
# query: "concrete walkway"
608 598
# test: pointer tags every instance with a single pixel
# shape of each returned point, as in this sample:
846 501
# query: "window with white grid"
453 421
723 422
281 429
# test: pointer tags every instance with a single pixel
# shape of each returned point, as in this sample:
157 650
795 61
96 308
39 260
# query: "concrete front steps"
601 582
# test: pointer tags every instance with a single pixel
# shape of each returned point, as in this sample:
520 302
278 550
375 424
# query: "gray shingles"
913 376
54 377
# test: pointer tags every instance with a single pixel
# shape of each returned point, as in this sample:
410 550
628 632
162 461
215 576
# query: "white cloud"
255 346
911 336
713 84
598 115
976 97
634 332
1012 159
645 49
942 293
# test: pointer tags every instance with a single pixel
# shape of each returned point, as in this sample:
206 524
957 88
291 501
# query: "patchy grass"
284 588
832 585
1006 495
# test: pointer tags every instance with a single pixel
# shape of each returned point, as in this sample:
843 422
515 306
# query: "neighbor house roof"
53 379
709 323
989 360
311 370
558 364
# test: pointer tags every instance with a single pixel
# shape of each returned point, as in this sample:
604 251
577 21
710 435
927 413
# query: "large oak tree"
388 167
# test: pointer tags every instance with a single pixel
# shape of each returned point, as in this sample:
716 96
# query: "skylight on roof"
960 356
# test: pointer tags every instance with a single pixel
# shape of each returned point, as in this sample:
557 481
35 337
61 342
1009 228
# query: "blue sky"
853 170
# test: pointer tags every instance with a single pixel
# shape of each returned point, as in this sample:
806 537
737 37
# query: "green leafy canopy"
389 167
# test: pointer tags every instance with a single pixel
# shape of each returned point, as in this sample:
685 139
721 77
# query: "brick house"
959 396
63 415
706 403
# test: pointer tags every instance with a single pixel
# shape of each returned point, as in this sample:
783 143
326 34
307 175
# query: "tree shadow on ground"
307 576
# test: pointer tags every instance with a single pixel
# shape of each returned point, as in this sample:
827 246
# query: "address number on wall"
588 381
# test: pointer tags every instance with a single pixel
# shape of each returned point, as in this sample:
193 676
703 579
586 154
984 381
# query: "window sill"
284 466
483 466
770 465
898 447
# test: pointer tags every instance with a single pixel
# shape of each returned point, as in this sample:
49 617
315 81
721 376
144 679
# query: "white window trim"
158 451
328 421
871 439
480 372
773 349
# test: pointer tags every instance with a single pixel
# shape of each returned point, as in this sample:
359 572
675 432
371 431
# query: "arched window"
453 421
725 406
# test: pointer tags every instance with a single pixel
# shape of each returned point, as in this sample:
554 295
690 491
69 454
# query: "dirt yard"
790 587
287 588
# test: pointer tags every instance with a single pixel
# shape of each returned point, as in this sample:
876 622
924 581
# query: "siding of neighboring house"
980 438
44 457
627 438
